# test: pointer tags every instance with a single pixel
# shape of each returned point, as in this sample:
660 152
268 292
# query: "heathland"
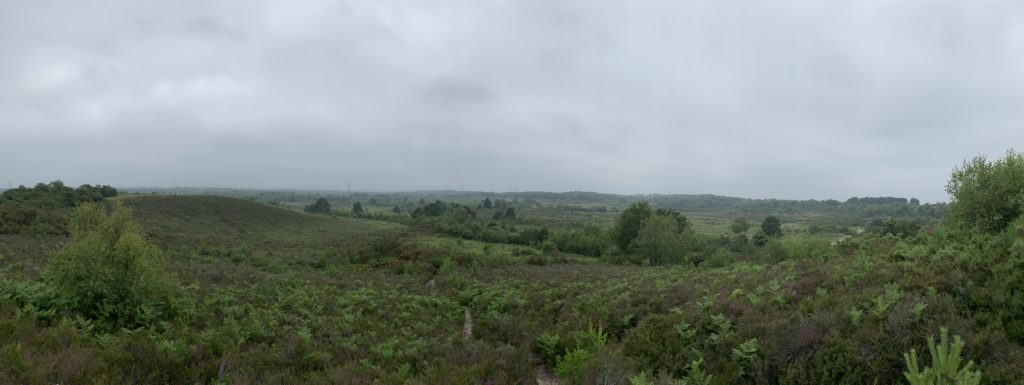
221 286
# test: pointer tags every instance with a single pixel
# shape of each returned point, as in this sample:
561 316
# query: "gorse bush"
108 272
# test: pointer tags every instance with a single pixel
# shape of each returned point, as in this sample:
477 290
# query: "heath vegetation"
99 286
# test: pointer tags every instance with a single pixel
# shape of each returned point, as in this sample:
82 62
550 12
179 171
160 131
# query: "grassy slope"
183 221
24 257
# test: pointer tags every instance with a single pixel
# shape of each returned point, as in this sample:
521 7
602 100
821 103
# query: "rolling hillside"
175 222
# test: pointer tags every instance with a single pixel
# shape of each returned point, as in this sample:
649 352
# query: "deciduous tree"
628 223
987 195
659 240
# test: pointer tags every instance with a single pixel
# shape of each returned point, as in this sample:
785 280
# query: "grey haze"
785 99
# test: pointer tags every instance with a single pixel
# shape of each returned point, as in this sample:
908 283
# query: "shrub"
537 260
660 343
108 272
607 367
987 195
573 365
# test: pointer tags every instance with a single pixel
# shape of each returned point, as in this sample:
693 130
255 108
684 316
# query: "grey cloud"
789 99
456 92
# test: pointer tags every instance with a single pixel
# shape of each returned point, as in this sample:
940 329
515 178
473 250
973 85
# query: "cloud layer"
788 99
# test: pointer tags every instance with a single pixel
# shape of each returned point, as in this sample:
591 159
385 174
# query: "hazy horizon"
787 100
474 192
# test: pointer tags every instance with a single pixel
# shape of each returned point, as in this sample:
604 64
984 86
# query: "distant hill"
856 211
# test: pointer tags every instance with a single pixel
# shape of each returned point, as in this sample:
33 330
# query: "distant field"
794 226
174 221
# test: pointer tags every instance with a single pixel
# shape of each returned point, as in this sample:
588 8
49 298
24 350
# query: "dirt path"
467 327
544 377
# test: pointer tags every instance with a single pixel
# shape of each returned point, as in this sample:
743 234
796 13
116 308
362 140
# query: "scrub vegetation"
276 287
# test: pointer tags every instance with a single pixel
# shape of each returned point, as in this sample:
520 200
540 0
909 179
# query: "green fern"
548 345
745 354
695 374
945 369
641 379
886 300
855 315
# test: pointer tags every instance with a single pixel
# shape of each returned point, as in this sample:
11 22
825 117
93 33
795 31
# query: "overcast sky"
786 99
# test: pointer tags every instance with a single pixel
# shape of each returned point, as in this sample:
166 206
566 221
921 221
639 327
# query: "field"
268 294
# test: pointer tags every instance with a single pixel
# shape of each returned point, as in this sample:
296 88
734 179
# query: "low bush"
109 273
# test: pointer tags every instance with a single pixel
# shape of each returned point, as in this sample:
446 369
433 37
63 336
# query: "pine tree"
945 369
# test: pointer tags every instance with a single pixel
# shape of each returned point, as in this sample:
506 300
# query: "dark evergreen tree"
771 227
321 206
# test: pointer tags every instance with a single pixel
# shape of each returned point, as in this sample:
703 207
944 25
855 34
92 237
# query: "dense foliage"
628 223
44 209
108 273
321 206
988 195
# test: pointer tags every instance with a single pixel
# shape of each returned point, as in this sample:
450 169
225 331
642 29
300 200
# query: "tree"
433 209
487 203
463 214
44 208
357 208
501 204
987 195
108 272
321 206
740 225
659 240
681 222
771 227
507 214
945 369
902 228
628 223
